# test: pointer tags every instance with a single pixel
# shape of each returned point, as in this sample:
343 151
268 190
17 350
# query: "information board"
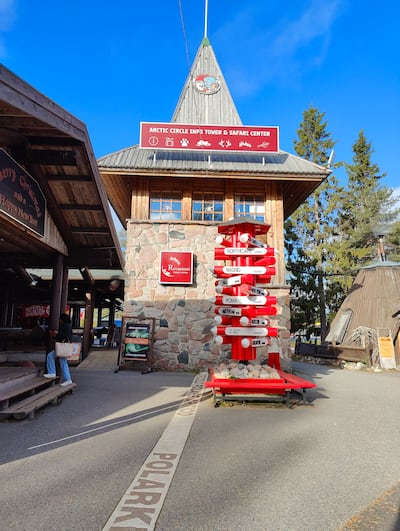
386 353
137 340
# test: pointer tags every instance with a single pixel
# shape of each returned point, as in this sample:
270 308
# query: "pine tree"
368 208
311 230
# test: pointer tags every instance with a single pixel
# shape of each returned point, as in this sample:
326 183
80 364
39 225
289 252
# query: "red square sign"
176 267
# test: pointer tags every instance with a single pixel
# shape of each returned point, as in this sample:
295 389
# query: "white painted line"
142 502
104 427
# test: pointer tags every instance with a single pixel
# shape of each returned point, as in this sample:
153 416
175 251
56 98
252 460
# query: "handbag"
64 350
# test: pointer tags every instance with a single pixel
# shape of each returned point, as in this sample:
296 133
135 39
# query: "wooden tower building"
173 200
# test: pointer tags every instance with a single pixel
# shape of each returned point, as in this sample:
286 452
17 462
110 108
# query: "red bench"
283 386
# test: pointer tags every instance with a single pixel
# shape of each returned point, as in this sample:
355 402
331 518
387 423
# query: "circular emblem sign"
207 84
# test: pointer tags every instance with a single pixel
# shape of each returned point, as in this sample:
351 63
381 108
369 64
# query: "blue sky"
115 64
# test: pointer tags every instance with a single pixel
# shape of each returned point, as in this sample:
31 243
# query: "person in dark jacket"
64 333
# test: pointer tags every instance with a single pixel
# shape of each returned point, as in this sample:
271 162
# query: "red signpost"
242 308
251 261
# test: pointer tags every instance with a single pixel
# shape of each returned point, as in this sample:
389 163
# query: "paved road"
334 465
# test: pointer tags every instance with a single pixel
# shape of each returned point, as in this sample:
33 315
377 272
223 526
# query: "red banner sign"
36 310
189 137
176 267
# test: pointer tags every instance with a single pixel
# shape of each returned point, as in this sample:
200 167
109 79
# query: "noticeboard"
386 353
137 340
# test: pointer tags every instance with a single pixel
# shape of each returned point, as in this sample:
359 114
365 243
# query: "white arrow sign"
259 322
244 270
232 281
236 312
246 331
242 299
260 342
253 290
246 238
245 251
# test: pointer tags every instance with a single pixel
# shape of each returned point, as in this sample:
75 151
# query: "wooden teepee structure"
373 304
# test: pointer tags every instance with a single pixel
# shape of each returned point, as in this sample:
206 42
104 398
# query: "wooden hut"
373 304
173 200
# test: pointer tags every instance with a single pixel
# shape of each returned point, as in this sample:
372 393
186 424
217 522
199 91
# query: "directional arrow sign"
260 342
236 312
249 270
253 290
246 238
258 301
245 251
246 331
259 322
232 281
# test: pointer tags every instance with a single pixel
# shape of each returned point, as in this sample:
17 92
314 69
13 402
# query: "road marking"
105 426
141 504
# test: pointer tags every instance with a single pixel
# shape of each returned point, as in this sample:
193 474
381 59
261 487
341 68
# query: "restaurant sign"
189 137
21 197
176 267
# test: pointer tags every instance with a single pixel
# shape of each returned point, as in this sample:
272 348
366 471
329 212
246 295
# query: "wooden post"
88 324
56 292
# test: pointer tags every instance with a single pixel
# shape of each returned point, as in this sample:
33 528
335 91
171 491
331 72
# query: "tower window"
207 207
252 206
165 206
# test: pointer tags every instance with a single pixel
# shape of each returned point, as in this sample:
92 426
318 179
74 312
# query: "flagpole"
205 18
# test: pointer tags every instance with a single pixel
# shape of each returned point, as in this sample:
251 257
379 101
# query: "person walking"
64 333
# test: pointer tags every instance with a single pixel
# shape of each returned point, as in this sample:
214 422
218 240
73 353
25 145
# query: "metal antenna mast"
205 18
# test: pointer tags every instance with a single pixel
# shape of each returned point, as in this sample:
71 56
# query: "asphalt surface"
333 465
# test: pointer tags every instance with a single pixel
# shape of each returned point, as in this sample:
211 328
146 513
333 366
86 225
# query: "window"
207 207
165 206
251 206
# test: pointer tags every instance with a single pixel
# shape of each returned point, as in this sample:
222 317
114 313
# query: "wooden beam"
90 230
81 207
50 157
57 141
63 177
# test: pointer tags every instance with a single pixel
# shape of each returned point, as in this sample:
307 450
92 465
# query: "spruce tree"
311 230
368 211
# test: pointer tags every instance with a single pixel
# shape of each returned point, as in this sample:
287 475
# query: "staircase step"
29 406
10 376
22 387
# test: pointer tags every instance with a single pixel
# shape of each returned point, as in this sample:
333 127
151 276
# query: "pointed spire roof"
205 98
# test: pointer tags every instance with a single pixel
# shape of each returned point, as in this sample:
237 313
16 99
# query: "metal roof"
281 163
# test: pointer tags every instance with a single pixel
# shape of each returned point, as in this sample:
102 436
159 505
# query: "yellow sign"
386 349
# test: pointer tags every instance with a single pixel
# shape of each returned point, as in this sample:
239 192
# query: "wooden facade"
48 171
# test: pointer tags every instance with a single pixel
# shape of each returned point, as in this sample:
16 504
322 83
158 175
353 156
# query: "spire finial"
205 18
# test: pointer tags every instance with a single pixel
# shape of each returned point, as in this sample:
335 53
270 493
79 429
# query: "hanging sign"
190 137
21 197
176 267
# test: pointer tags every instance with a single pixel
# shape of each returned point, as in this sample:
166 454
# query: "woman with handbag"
63 334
